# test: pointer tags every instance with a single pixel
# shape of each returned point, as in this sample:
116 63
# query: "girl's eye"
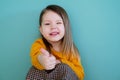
47 24
59 22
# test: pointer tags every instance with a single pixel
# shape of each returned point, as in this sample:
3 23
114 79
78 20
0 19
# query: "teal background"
95 29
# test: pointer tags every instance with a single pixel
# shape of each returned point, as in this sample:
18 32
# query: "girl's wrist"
58 61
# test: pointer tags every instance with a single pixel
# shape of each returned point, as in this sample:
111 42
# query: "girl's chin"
54 40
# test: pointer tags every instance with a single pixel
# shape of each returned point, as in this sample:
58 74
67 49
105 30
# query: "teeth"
54 33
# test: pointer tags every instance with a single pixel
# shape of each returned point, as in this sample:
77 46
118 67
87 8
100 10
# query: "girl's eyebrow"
46 20
59 20
50 20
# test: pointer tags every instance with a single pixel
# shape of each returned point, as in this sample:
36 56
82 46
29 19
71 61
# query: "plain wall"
95 29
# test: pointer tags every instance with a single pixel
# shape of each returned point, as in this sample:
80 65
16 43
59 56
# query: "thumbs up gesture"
47 60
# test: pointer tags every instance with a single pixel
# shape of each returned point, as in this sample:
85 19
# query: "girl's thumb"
45 52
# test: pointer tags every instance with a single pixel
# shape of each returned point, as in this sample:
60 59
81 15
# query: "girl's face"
52 27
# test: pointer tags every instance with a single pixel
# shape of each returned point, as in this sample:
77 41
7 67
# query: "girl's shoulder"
39 42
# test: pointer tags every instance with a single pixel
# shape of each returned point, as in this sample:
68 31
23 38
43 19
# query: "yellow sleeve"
76 67
35 51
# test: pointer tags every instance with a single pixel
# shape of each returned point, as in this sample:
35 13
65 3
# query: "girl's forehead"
50 12
51 15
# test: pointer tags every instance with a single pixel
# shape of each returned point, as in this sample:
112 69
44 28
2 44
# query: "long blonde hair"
68 47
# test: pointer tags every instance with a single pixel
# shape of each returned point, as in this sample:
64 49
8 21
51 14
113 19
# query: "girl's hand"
47 60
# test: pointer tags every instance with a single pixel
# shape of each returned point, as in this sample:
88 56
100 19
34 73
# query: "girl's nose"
53 25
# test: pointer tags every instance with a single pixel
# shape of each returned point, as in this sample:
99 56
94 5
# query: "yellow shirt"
74 63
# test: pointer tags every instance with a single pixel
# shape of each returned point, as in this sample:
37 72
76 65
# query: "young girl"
55 56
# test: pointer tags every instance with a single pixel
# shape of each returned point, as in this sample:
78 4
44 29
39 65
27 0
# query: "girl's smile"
54 33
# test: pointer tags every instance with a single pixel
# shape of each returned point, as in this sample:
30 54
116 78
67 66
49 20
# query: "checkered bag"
61 72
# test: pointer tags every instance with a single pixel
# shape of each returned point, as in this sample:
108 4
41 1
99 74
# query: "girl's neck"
56 45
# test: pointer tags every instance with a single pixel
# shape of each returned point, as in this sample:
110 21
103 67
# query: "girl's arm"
35 52
39 58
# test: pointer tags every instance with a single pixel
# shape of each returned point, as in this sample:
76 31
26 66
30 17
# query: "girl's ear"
40 28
